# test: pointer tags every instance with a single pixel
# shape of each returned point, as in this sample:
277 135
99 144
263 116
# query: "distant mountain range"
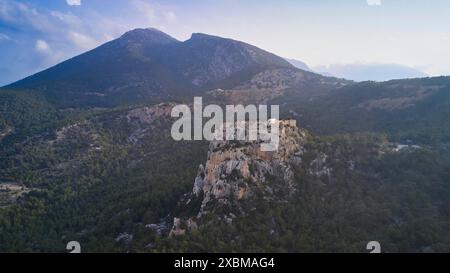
370 72
147 65
363 72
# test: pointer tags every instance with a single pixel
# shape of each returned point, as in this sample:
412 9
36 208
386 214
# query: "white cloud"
4 37
373 2
67 18
82 41
42 46
146 10
153 14
24 17
73 2
170 16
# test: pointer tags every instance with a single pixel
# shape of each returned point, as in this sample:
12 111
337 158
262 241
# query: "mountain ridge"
147 64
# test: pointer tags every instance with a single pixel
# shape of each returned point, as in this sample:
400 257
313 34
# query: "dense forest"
89 181
111 178
399 199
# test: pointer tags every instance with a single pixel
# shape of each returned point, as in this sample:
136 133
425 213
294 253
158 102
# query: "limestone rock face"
198 184
236 171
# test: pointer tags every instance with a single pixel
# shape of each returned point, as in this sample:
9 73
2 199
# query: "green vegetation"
399 199
91 174
92 184
417 109
26 112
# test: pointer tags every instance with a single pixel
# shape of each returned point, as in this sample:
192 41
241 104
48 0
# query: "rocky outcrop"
319 166
238 170
149 115
270 84
219 58
145 119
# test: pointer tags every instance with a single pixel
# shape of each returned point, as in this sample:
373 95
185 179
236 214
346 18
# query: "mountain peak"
149 64
148 35
198 36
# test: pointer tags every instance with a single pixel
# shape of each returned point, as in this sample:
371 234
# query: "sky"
35 35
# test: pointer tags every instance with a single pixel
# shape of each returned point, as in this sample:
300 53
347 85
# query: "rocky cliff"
237 172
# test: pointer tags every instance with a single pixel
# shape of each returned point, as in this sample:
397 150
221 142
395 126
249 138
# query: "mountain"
149 65
299 64
370 72
357 161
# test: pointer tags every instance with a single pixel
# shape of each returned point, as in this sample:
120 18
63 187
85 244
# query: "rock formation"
236 171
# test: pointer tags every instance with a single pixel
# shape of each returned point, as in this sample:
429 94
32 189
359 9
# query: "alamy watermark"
239 122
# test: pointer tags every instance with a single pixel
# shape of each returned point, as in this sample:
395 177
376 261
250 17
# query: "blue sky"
37 34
